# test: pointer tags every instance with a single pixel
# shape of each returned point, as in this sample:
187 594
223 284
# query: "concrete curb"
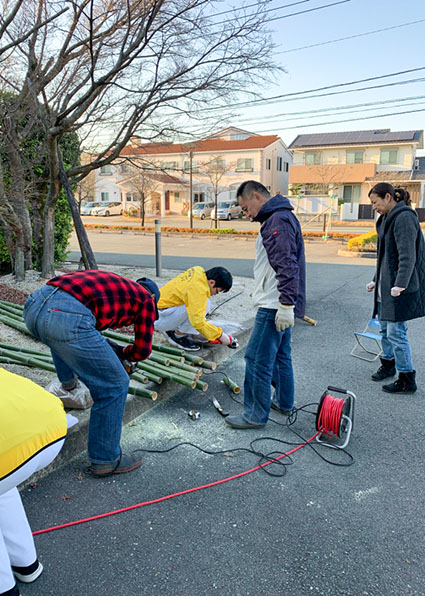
76 441
357 254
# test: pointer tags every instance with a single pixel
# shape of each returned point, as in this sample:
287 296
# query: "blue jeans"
63 323
268 362
396 345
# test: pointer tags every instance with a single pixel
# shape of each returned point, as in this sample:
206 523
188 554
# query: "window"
268 164
125 168
286 166
177 197
104 196
245 165
106 169
279 164
217 163
352 193
169 165
388 156
195 166
355 156
312 159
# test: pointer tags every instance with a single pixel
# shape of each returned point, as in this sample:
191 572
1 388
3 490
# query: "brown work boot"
126 463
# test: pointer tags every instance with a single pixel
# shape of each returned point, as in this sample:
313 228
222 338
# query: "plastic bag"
77 399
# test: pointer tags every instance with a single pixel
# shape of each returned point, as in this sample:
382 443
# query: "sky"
386 52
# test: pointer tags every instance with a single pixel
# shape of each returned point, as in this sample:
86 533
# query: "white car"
227 210
108 208
87 208
201 210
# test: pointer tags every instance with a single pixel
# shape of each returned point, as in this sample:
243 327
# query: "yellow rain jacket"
191 289
31 419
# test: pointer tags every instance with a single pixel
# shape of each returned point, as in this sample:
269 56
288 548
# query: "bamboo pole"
169 375
141 378
168 350
142 392
201 385
232 385
32 351
195 359
15 324
209 364
25 359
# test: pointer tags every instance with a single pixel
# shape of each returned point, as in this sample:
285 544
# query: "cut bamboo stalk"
141 378
175 371
168 350
201 385
195 359
25 359
175 358
232 385
209 364
152 377
160 358
24 350
143 392
15 324
166 374
13 315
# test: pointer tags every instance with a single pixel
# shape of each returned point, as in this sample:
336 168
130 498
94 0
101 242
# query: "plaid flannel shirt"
115 302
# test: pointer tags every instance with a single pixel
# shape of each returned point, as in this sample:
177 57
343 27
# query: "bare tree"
143 182
213 170
112 68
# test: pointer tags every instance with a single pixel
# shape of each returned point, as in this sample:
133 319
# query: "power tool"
130 367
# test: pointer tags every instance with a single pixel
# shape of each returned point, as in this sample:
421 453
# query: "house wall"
372 154
276 180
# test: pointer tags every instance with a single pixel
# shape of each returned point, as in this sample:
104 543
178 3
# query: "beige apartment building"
341 167
160 172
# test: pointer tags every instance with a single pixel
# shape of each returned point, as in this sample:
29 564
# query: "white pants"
16 540
175 319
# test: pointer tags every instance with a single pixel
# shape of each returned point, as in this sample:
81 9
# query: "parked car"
87 208
202 210
108 208
226 210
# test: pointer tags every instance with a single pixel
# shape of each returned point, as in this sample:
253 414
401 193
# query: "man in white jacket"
279 296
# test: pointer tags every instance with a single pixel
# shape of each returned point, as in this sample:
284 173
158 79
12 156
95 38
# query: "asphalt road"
320 529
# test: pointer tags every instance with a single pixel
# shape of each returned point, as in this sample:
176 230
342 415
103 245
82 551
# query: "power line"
285 115
323 43
286 16
233 10
347 120
285 95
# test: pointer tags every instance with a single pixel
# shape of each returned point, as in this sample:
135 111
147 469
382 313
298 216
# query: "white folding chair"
368 342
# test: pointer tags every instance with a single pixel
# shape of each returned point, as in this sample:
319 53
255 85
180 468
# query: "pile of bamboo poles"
164 363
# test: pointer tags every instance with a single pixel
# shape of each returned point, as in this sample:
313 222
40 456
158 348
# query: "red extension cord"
330 415
178 494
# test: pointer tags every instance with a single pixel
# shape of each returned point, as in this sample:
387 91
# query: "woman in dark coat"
399 282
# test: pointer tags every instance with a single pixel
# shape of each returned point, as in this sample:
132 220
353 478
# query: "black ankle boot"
404 384
387 369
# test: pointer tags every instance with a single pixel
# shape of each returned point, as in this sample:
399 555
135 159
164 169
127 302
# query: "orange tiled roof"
207 145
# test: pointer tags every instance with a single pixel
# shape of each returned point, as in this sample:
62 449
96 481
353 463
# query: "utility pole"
190 189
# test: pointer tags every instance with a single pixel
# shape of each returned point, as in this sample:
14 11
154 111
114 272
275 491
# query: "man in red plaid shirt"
68 314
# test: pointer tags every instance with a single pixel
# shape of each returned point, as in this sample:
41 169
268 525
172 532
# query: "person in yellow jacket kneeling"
184 303
33 427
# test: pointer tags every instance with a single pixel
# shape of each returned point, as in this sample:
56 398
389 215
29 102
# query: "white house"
161 171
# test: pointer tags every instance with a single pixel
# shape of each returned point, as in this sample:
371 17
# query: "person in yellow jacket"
184 303
33 427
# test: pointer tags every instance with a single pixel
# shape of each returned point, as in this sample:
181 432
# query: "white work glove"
396 291
284 317
370 286
225 339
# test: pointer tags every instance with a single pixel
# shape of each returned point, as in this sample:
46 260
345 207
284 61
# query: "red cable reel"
335 418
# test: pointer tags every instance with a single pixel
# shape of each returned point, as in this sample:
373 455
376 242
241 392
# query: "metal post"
158 254
190 190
